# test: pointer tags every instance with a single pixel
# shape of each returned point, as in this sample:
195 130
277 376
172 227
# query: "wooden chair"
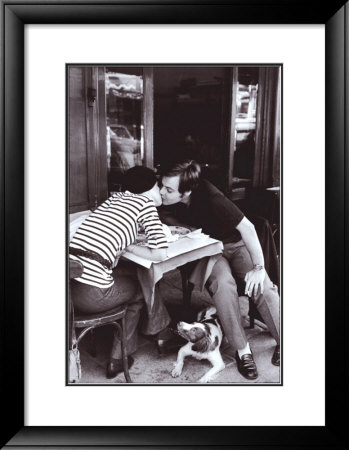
88 322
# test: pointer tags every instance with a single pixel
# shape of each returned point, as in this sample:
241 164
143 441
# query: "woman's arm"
153 254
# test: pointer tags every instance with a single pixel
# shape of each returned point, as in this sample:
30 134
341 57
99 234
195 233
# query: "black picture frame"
14 16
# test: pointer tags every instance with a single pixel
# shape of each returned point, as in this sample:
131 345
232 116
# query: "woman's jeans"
231 268
125 291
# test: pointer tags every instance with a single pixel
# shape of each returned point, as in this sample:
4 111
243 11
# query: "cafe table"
200 248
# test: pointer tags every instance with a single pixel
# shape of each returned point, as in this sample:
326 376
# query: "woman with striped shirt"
98 243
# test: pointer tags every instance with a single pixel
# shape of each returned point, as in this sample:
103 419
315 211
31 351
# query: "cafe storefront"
226 118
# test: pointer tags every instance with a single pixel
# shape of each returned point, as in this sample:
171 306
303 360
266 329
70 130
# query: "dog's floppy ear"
203 345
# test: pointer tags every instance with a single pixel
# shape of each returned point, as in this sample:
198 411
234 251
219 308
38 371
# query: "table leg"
187 288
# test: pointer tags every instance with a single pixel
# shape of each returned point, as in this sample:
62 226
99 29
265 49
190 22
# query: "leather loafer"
276 356
169 345
168 341
246 366
116 366
166 334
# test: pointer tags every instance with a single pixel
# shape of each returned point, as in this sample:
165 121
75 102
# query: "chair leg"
122 337
92 338
93 351
187 289
124 350
251 312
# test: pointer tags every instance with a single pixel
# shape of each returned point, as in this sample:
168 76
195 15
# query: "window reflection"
245 125
125 131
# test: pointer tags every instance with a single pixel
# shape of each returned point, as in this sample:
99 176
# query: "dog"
204 339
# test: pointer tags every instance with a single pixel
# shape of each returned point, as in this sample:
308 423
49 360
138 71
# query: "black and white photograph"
174 219
174 223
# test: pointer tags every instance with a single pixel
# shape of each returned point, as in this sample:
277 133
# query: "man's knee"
221 281
270 294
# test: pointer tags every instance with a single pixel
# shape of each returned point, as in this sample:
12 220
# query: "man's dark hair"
189 175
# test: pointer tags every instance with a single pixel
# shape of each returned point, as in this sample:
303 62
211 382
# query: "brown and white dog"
204 339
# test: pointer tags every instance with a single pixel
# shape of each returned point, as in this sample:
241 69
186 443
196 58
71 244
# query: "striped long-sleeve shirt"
110 229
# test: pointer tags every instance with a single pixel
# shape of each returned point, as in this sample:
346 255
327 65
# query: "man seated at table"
197 203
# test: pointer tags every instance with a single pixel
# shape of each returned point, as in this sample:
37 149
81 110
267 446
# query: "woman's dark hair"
139 179
189 175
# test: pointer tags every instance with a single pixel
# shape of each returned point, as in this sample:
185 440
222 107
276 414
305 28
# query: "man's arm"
254 278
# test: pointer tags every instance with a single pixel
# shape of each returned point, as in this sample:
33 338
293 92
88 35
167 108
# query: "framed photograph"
33 379
211 122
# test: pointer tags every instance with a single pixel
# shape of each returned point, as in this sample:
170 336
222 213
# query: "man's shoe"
247 366
116 366
166 334
276 356
167 341
170 345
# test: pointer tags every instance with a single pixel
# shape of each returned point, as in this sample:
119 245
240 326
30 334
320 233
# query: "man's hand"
254 282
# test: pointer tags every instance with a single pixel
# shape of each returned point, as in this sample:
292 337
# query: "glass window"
245 126
125 131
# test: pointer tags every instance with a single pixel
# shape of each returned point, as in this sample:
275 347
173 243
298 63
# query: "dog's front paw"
205 379
176 371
